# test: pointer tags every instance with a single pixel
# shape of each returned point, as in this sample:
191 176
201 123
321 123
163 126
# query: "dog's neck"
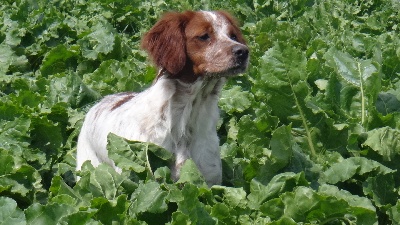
188 101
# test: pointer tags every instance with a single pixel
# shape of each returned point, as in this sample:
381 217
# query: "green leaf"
10 213
135 155
280 183
46 135
102 181
382 189
282 146
282 85
284 221
58 60
111 211
306 205
387 103
394 213
17 177
361 82
69 88
235 99
233 197
80 218
148 197
47 214
192 207
14 135
299 203
99 40
8 60
222 213
352 200
179 218
60 188
348 168
189 173
385 141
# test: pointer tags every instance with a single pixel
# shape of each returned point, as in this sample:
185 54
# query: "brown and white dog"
195 53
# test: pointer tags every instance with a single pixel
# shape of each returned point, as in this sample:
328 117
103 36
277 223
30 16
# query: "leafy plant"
309 135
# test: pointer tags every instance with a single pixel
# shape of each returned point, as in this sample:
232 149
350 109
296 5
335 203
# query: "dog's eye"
204 37
233 37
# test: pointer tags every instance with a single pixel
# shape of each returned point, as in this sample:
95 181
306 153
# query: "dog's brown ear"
165 42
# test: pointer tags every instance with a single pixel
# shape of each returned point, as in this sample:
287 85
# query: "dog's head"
193 44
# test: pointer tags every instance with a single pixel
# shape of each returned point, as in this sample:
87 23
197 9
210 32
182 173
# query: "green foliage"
309 135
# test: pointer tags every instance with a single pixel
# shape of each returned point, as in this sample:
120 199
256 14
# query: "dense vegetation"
309 135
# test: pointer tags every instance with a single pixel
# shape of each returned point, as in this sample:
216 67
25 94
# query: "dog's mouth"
238 67
230 72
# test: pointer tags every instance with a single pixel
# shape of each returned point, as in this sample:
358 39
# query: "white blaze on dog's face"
215 44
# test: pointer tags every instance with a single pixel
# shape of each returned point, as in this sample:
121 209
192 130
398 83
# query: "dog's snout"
241 52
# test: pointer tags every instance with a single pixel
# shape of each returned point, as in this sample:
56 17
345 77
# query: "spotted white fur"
179 116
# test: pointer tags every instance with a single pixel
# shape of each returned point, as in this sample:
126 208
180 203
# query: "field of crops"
309 135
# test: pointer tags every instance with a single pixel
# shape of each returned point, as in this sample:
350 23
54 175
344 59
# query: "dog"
195 52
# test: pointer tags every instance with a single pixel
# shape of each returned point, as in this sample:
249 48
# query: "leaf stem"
362 96
147 160
304 121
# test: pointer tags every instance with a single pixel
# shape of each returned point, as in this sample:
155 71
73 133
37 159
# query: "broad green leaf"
394 213
282 85
221 212
148 197
284 221
381 189
360 80
8 60
179 218
350 167
192 207
135 155
124 156
300 202
46 135
58 60
114 76
189 173
387 103
279 184
107 180
102 181
250 139
59 187
273 208
352 200
14 135
282 146
235 100
17 177
10 213
99 40
69 88
38 214
306 205
111 211
80 218
385 141
234 197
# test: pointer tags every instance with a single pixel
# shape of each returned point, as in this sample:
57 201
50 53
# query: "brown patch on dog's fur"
124 100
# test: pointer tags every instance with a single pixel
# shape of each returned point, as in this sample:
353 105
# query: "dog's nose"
241 52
